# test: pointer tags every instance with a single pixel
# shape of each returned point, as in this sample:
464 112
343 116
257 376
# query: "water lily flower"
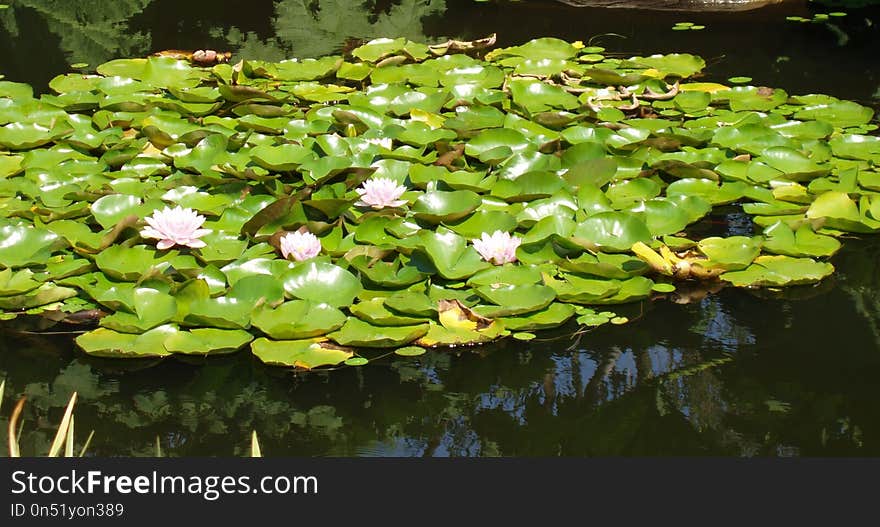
300 245
380 192
499 248
177 226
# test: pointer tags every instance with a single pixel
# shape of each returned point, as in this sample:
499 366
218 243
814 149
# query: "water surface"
735 373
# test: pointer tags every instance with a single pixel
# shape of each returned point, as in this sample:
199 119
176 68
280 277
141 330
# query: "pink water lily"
380 192
499 248
177 226
300 246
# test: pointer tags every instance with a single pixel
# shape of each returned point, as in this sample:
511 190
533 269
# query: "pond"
734 373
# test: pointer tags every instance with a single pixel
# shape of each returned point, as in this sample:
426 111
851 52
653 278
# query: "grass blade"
158 447
63 428
13 421
68 447
255 445
88 442
2 388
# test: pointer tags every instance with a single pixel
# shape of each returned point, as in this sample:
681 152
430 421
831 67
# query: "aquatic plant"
379 193
300 246
177 226
498 248
602 169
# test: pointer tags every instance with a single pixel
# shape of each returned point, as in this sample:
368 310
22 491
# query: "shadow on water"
733 373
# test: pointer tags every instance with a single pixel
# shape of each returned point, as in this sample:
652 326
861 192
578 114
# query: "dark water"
734 373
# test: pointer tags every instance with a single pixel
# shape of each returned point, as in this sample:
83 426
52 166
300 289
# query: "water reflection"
90 31
314 28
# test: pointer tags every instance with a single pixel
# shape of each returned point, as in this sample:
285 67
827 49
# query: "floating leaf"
355 332
775 271
104 342
438 206
207 341
21 246
410 351
735 252
321 282
151 308
306 354
611 231
297 319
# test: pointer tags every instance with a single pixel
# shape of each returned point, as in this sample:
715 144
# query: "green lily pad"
514 299
775 271
207 341
130 263
438 206
611 232
678 64
151 308
576 290
708 190
541 48
535 96
735 252
410 351
233 310
356 332
375 312
438 335
297 319
103 342
17 282
24 136
838 113
22 246
553 316
41 296
781 239
841 212
506 275
850 146
321 282
628 192
305 354
451 254
605 265
483 221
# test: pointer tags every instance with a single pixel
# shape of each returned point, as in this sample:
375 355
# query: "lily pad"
611 232
306 354
438 206
103 342
356 332
775 271
322 282
514 299
297 319
207 341
735 252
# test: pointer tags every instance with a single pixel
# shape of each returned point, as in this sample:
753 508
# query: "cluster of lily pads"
407 196
817 17
687 26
